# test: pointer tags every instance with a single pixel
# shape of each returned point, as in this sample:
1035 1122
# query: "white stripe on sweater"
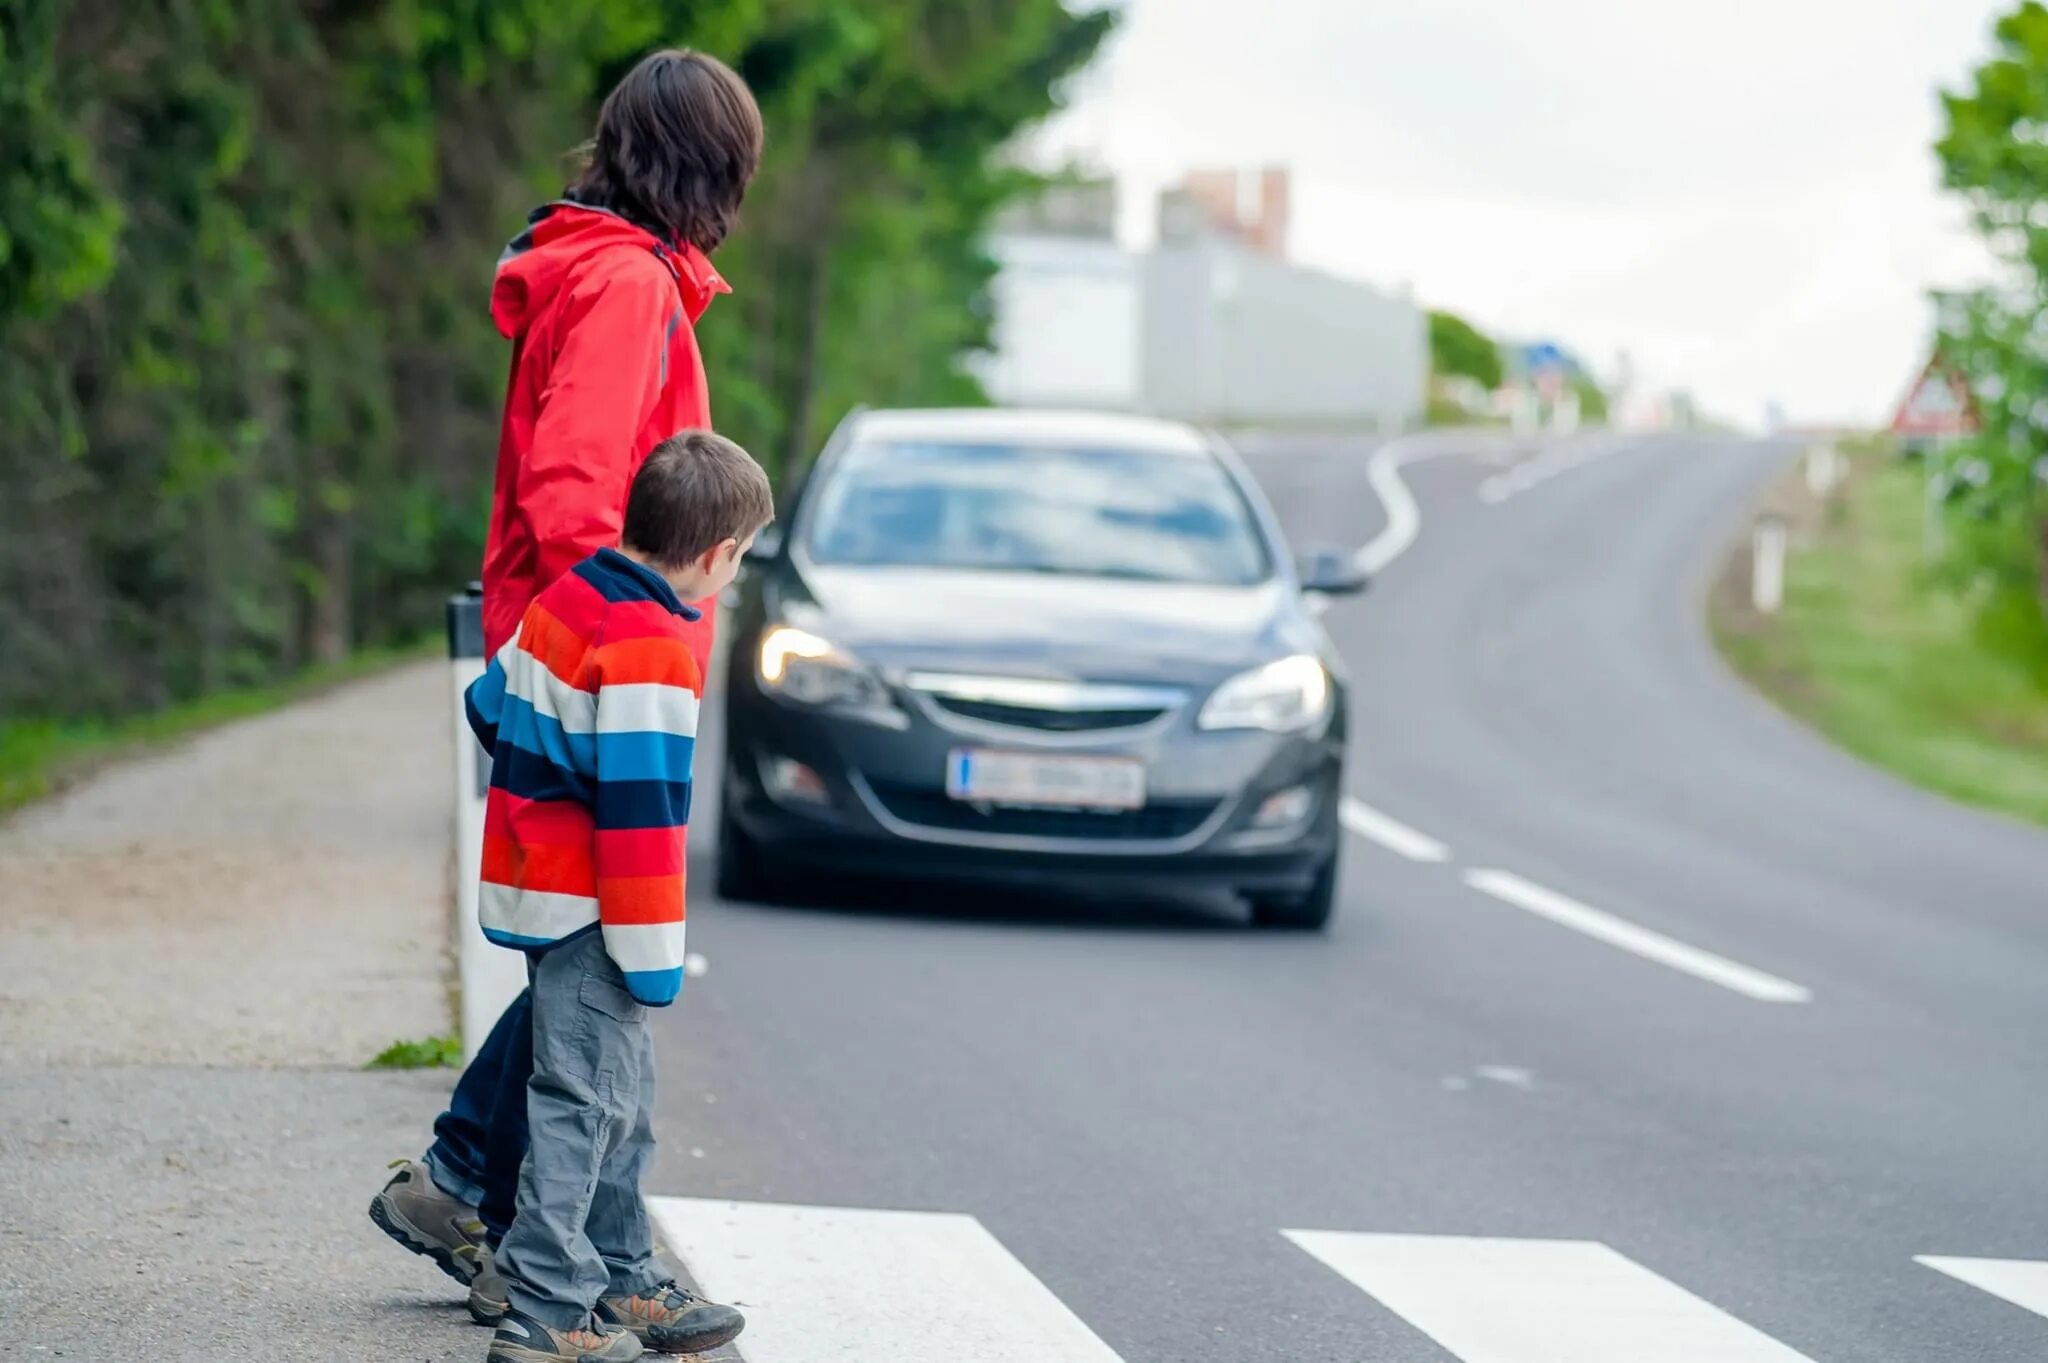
541 915
645 946
644 707
550 696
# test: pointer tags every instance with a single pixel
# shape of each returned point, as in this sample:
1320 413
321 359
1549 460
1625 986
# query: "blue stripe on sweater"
484 704
542 735
655 988
618 578
530 776
642 804
650 755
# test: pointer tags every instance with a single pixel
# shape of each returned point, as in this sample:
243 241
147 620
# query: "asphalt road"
1624 960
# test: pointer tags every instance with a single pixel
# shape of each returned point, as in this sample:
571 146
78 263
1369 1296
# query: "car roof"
1019 426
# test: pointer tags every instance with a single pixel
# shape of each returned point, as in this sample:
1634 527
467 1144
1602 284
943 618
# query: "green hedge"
248 387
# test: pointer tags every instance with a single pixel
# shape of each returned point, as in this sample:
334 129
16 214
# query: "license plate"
1019 778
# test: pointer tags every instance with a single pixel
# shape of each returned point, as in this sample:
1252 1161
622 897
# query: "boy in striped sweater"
590 716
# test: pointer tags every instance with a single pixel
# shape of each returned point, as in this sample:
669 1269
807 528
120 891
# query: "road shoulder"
206 945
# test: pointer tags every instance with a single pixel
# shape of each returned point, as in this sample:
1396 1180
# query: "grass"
39 757
1945 691
428 1053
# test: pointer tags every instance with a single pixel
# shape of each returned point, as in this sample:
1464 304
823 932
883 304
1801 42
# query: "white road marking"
1514 1076
1545 466
1404 518
1539 1301
2023 1282
1389 832
821 1284
694 965
1651 946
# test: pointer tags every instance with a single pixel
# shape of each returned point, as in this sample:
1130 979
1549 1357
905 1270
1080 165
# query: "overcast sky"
1739 194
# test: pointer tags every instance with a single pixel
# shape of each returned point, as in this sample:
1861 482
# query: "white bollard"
490 976
1564 417
1823 469
1767 565
1527 415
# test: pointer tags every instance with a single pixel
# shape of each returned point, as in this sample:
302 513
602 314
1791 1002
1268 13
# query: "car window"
1144 514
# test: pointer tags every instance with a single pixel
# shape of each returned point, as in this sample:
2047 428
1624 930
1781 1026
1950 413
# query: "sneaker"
414 1211
522 1339
670 1320
487 1303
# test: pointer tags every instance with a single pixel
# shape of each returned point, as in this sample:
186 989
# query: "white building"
1205 327
1068 333
1235 336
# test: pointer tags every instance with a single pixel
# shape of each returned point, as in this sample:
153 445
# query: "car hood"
1043 625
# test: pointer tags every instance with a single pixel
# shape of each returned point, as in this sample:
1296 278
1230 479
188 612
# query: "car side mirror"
1331 572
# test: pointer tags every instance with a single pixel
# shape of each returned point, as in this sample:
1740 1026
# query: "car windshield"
1148 514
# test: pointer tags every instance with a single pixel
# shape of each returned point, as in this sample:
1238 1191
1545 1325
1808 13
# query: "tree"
1993 152
248 386
1457 347
865 277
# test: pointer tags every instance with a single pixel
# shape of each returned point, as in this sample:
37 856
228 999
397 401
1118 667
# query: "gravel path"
274 893
198 951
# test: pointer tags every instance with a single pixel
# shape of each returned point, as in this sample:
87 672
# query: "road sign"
1937 405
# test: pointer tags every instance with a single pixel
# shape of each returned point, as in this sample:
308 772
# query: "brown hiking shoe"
487 1300
522 1339
672 1321
414 1211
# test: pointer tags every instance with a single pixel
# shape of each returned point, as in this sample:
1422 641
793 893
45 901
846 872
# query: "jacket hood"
537 264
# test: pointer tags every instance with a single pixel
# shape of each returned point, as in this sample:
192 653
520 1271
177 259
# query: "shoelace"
589 1335
671 1299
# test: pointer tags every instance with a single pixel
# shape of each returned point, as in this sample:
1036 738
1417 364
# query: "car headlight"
800 665
1293 693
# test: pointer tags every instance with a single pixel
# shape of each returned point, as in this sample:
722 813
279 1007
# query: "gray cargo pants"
581 1232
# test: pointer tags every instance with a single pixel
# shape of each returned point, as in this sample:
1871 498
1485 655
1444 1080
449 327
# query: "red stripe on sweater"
561 823
538 866
641 899
641 851
636 662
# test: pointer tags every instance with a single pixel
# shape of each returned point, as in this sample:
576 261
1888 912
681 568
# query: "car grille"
1158 821
1048 721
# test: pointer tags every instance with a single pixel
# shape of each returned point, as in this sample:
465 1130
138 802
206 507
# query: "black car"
1034 647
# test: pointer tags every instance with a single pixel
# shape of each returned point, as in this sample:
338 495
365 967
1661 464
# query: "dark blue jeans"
480 1140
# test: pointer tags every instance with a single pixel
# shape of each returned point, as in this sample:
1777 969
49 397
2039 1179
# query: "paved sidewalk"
200 951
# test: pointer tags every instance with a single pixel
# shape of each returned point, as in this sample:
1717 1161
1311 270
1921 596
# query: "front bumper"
885 810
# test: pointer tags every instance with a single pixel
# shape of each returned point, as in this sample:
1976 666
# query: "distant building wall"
1234 335
1069 312
1204 330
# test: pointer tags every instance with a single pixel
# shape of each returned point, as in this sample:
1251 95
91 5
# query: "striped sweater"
590 717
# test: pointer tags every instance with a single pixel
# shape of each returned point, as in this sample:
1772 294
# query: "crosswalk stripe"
2023 1282
1539 1301
836 1283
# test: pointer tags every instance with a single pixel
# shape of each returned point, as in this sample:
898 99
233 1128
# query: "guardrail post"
491 976
1823 468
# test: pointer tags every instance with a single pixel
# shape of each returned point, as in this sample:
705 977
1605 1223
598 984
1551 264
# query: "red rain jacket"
605 366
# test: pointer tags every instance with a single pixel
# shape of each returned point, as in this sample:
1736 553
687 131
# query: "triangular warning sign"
1938 404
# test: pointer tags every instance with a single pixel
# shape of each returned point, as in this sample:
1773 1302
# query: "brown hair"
696 491
677 141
